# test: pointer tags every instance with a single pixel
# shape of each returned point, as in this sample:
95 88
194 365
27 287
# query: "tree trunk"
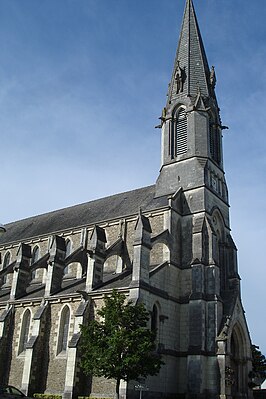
117 388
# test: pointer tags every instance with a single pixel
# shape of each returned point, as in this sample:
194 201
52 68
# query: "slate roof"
89 213
192 57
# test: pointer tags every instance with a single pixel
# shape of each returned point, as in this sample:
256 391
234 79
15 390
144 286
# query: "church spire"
191 73
190 121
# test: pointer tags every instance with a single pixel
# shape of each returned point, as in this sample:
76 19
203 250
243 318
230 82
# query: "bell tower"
192 170
191 155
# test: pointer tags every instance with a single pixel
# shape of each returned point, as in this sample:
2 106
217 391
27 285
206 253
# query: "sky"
82 84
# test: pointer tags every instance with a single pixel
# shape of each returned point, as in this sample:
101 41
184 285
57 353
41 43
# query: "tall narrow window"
35 257
181 132
154 319
68 252
35 254
215 142
5 265
63 331
6 260
68 247
25 330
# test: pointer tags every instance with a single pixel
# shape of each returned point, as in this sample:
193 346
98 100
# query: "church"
168 245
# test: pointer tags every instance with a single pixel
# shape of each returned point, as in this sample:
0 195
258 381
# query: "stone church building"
168 245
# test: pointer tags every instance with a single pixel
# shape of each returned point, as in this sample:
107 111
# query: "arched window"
5 265
214 142
68 252
68 247
25 330
35 257
6 260
35 254
181 132
63 330
154 319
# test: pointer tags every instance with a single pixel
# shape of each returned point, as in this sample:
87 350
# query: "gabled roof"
90 213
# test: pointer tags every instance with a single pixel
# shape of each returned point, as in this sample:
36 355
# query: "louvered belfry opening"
181 132
215 145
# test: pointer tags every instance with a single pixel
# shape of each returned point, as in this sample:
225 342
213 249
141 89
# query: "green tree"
118 345
258 373
258 361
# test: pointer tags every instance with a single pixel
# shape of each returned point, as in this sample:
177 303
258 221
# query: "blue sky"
82 84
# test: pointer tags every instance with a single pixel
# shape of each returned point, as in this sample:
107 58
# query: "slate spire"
191 73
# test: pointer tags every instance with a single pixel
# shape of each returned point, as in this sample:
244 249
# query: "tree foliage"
258 373
258 361
118 345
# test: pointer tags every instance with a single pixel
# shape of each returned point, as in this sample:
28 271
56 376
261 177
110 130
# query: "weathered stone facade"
168 246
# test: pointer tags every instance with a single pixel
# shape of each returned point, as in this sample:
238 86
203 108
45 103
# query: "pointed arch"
68 252
63 330
180 131
34 258
239 353
25 331
68 247
214 140
6 262
35 254
155 321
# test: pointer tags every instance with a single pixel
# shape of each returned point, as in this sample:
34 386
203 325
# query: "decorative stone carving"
179 78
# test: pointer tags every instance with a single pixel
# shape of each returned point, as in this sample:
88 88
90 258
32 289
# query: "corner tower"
217 340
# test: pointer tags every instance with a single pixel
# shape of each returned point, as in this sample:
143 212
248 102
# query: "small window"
68 252
35 254
181 132
25 330
68 247
154 319
35 257
6 260
63 330
5 265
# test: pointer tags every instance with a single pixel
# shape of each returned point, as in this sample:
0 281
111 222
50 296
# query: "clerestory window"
35 257
25 330
68 252
5 265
